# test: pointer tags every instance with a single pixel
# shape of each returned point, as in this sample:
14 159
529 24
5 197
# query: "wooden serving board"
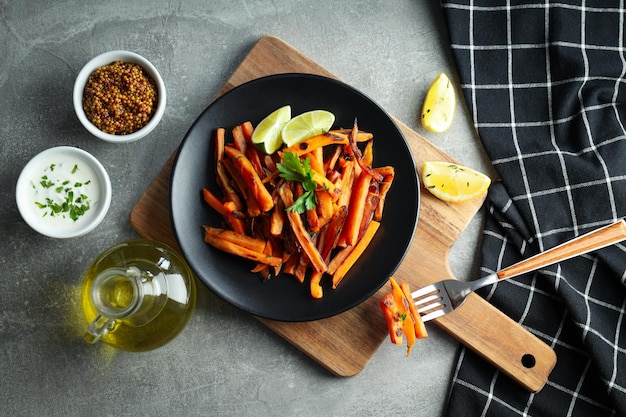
345 343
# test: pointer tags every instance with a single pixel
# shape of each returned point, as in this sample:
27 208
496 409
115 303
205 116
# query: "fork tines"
430 302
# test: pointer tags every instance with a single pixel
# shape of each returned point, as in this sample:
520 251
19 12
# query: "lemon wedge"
267 135
453 183
439 105
307 125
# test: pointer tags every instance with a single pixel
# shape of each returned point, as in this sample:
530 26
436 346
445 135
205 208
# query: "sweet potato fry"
368 154
244 167
332 233
234 249
290 265
234 217
249 201
300 272
371 203
277 219
317 160
339 258
301 234
325 208
388 173
315 142
247 129
316 289
239 140
361 136
354 255
330 162
350 232
224 182
305 241
244 252
219 143
246 241
356 153
347 181
262 269
213 201
253 156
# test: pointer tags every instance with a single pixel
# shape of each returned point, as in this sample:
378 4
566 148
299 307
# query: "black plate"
282 298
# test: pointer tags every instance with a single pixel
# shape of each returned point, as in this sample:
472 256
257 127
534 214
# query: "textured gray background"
225 362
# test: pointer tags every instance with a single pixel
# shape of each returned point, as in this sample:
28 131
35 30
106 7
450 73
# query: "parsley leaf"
293 169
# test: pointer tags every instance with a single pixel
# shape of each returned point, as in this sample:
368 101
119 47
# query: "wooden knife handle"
589 242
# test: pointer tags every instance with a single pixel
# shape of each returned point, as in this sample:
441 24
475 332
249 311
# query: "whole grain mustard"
120 98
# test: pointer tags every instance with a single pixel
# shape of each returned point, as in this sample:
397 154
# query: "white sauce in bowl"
63 192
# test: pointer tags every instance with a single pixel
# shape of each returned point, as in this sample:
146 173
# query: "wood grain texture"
345 343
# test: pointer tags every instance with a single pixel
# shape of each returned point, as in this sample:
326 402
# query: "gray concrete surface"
225 363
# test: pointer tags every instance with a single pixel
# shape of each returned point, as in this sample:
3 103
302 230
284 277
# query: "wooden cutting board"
345 343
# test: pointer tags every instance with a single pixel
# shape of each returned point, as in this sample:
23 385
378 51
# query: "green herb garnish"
69 206
294 169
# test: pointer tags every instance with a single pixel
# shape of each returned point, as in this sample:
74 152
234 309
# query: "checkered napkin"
546 87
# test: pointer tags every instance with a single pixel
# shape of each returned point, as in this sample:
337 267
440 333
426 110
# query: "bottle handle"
99 327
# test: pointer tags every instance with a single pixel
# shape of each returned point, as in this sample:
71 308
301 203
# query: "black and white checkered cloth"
545 84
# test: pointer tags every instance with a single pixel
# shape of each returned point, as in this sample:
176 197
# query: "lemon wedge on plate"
453 183
439 105
267 135
307 125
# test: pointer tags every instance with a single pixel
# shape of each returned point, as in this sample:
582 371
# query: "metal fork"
445 296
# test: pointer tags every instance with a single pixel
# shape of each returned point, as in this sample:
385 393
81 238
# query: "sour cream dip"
63 192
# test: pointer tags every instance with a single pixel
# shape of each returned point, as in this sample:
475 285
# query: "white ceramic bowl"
105 59
52 174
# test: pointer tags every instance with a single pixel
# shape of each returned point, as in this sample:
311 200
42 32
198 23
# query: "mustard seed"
120 98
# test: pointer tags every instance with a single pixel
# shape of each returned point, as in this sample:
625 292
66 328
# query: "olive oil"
141 291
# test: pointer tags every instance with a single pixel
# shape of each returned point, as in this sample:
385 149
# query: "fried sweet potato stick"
315 142
388 173
301 234
325 207
234 217
338 258
224 182
350 233
356 152
239 140
314 284
361 136
368 154
235 249
213 201
251 204
245 241
420 328
359 248
371 203
277 219
219 143
332 233
247 129
244 167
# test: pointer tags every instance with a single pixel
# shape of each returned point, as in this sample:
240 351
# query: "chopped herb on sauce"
70 202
